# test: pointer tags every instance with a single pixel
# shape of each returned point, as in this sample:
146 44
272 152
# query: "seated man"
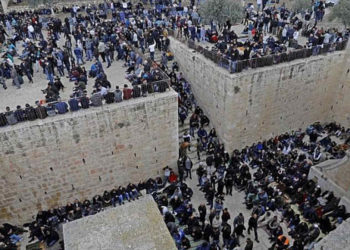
272 224
61 107
94 70
9 234
30 113
73 104
96 98
51 237
19 114
127 92
10 117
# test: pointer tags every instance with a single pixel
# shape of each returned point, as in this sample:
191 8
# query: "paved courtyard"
31 92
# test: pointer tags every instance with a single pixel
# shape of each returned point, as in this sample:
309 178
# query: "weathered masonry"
50 162
136 225
259 103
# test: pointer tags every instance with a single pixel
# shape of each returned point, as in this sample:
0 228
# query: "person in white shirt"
259 4
124 5
135 39
296 35
152 50
284 33
103 91
31 31
327 38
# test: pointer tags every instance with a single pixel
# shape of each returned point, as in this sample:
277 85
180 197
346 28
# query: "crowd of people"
270 30
77 102
45 227
90 36
96 39
272 173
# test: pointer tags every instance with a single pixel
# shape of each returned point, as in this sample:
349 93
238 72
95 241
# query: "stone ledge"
92 110
135 225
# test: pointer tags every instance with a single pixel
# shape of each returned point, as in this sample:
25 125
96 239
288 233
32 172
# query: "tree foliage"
299 5
221 11
37 3
341 11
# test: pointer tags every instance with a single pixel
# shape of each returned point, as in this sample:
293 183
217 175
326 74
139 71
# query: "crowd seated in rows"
46 224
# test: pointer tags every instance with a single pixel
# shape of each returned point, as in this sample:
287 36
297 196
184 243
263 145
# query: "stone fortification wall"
259 103
341 107
49 162
334 175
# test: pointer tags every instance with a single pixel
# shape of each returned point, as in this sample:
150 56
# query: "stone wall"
135 225
341 107
259 103
49 162
4 4
336 239
334 175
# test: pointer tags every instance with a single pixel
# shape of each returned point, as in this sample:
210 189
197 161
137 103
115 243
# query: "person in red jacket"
127 92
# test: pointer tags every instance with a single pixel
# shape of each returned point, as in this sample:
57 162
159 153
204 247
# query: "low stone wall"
334 175
50 162
135 225
337 239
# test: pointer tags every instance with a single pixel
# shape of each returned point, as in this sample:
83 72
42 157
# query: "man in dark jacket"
226 234
19 114
3 121
136 92
202 210
30 113
40 111
249 245
73 104
253 225
84 101
109 97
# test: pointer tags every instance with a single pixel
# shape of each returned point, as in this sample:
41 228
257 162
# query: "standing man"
152 48
188 167
78 52
253 225
202 210
228 184
259 5
199 149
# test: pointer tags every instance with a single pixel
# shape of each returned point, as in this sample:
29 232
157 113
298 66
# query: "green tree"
299 5
341 11
221 11
37 3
